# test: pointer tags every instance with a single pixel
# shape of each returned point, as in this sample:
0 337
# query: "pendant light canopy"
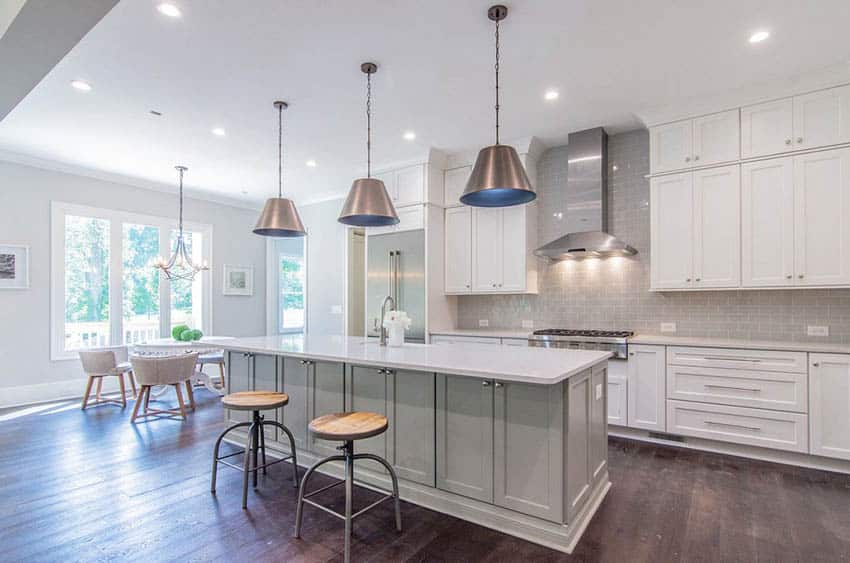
368 204
180 266
498 178
280 217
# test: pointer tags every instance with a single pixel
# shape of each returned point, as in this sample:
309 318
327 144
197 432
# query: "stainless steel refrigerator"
395 266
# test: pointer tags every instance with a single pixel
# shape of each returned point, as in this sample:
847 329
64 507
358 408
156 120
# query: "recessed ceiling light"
169 10
551 95
81 85
409 135
219 131
759 36
311 163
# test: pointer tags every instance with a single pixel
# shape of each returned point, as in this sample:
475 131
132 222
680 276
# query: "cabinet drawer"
752 427
758 360
743 388
450 339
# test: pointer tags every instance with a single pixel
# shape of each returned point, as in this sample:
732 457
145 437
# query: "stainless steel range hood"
586 216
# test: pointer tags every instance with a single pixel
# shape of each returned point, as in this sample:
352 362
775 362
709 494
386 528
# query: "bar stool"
254 401
347 427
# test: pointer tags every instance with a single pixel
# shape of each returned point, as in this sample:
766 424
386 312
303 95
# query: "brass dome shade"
280 217
498 178
368 204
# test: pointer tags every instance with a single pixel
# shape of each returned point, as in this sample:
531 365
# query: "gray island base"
513 439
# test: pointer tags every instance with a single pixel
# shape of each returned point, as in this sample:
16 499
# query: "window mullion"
116 273
164 284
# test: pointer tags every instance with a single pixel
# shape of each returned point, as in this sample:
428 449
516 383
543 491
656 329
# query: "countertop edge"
709 342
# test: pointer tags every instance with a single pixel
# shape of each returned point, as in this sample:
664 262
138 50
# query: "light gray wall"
25 196
325 267
613 293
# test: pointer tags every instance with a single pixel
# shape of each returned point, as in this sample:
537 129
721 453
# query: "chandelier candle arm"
498 178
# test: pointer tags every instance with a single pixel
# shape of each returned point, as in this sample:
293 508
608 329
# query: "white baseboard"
24 395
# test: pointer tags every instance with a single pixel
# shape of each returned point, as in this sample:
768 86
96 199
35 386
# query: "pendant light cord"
280 151
368 125
497 82
180 217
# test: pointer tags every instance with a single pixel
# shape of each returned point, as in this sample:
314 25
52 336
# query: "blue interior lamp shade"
368 205
498 179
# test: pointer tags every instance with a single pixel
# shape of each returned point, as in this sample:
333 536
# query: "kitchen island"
514 439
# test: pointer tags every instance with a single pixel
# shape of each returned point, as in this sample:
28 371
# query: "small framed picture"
238 280
14 266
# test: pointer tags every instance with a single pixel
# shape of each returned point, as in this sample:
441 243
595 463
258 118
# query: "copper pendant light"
498 178
368 203
280 217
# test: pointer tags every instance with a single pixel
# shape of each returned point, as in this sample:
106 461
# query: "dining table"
171 347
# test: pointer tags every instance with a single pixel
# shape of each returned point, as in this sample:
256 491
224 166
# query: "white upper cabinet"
672 231
671 146
513 246
455 183
716 138
767 223
822 118
389 180
458 249
410 185
487 249
829 400
822 217
767 128
717 242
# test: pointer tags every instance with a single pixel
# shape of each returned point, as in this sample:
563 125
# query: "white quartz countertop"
508 363
483 332
701 341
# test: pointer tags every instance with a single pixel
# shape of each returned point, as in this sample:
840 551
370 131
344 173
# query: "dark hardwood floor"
90 486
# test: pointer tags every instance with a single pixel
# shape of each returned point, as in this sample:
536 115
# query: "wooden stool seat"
346 426
255 400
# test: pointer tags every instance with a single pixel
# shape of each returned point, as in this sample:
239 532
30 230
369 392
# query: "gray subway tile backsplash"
614 293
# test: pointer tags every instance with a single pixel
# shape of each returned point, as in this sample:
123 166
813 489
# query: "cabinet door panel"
295 414
671 146
579 389
598 422
829 414
822 218
389 180
529 442
240 378
513 249
455 184
767 223
717 240
366 390
465 436
717 138
822 118
486 248
326 397
647 384
767 128
458 250
672 231
412 422
410 185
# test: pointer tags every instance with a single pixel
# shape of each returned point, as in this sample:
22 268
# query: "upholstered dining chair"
106 362
175 371
216 357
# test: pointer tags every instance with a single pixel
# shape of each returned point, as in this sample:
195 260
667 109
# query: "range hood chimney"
586 202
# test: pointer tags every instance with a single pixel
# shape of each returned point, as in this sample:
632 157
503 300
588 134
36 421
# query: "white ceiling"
224 62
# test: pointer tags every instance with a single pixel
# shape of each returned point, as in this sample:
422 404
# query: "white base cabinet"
646 387
830 405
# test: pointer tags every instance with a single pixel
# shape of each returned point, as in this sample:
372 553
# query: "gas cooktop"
583 333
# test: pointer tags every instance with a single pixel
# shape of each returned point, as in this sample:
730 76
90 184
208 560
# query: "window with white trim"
104 288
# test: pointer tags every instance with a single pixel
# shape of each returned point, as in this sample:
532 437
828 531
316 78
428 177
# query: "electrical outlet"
483 323
527 324
336 309
668 327
818 331
598 391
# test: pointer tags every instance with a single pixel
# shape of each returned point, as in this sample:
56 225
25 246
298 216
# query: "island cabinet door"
239 379
265 379
367 390
294 382
578 413
325 396
465 436
529 449
412 422
599 422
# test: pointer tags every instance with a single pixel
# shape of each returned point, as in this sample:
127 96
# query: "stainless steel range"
616 341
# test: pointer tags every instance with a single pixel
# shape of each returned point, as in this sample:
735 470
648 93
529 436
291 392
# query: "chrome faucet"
383 316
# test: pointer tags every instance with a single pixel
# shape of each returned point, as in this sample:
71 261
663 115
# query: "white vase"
396 335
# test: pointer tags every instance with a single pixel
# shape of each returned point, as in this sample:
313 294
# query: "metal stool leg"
216 449
255 438
299 508
289 435
263 444
349 494
247 464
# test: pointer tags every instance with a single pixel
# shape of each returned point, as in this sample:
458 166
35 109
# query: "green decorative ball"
196 334
177 331
186 335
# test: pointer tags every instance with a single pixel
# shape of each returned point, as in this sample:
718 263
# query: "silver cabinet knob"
816 365
485 383
467 286
631 353
499 385
799 140
788 277
696 157
687 279
801 276
787 141
697 279
687 159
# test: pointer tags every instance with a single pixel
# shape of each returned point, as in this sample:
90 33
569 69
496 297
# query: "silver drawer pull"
485 383
713 386
730 425
499 385
732 358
